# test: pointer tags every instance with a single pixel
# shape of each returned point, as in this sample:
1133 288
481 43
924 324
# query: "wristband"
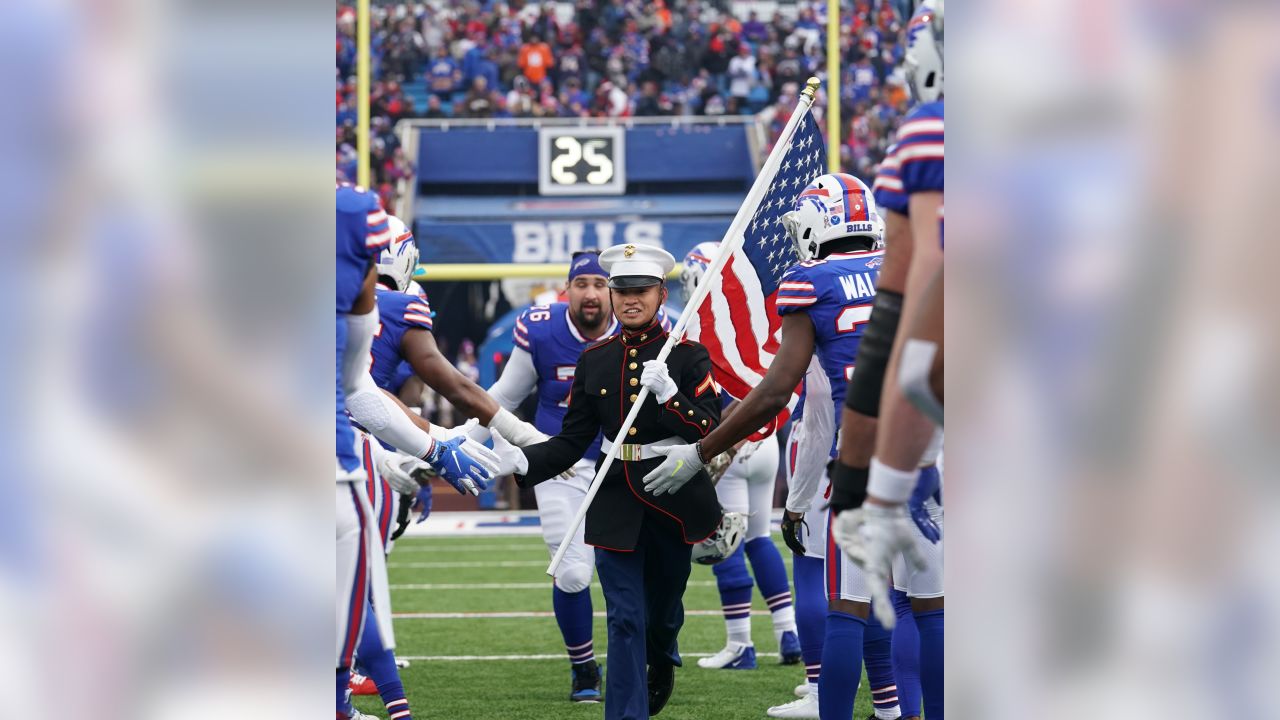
432 455
698 448
848 486
889 484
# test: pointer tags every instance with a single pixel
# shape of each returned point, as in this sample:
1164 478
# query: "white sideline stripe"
534 614
476 564
507 586
555 656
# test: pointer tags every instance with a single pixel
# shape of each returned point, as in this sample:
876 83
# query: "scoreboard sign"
581 161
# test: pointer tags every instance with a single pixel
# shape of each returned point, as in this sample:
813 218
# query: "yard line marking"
483 564
472 564
556 656
422 548
508 586
533 614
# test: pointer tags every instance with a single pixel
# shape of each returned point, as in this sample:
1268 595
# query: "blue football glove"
928 485
464 463
422 503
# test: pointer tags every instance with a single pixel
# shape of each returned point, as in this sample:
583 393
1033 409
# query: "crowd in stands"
614 58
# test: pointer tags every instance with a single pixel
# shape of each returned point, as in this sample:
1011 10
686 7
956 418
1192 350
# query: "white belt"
631 452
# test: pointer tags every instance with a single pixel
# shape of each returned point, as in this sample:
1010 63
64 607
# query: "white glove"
444 433
681 464
515 430
872 536
396 468
658 380
511 459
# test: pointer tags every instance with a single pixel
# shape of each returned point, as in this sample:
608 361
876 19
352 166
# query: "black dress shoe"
662 680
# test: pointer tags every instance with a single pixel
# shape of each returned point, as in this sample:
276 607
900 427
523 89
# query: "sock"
931 665
811 613
906 655
573 615
379 664
735 585
876 655
771 578
841 666
344 693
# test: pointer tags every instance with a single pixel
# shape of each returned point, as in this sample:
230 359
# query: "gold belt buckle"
630 452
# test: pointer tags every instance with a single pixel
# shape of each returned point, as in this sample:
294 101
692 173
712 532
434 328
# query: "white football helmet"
724 541
923 59
400 258
695 266
832 207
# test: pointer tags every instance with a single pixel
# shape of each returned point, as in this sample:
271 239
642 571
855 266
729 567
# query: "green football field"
473 618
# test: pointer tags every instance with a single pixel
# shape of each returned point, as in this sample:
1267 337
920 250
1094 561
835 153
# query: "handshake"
454 455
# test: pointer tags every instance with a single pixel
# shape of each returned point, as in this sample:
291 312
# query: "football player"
747 487
879 535
824 303
362 231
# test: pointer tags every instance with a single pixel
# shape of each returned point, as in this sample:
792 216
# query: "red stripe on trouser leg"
833 563
359 589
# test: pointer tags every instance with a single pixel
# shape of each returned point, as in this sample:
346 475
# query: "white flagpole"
733 238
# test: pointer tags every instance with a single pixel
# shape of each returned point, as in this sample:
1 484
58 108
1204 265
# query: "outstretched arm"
768 398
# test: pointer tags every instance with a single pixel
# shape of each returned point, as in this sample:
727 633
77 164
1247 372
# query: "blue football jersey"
837 293
397 313
362 232
554 343
915 162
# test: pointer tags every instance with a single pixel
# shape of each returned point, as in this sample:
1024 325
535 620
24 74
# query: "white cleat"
734 656
357 715
803 689
805 707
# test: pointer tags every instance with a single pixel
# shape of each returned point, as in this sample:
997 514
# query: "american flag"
737 322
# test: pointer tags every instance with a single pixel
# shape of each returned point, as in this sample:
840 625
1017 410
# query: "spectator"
647 103
444 76
535 59
434 110
742 73
480 101
754 30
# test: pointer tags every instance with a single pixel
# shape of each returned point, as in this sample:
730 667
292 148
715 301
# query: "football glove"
872 536
464 463
793 530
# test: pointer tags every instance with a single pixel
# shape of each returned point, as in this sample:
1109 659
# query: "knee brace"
913 377
863 395
574 578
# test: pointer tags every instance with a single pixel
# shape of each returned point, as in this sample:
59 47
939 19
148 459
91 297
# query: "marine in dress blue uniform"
642 543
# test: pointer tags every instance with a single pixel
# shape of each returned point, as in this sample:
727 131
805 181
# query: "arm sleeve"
519 378
694 410
379 414
814 447
554 456
355 355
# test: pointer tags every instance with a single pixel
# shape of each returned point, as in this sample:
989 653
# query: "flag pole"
732 240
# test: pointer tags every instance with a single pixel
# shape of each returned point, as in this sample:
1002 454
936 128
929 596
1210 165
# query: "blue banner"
554 241
654 153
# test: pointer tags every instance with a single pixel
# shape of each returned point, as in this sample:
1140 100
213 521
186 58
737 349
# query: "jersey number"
565 373
852 318
538 313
